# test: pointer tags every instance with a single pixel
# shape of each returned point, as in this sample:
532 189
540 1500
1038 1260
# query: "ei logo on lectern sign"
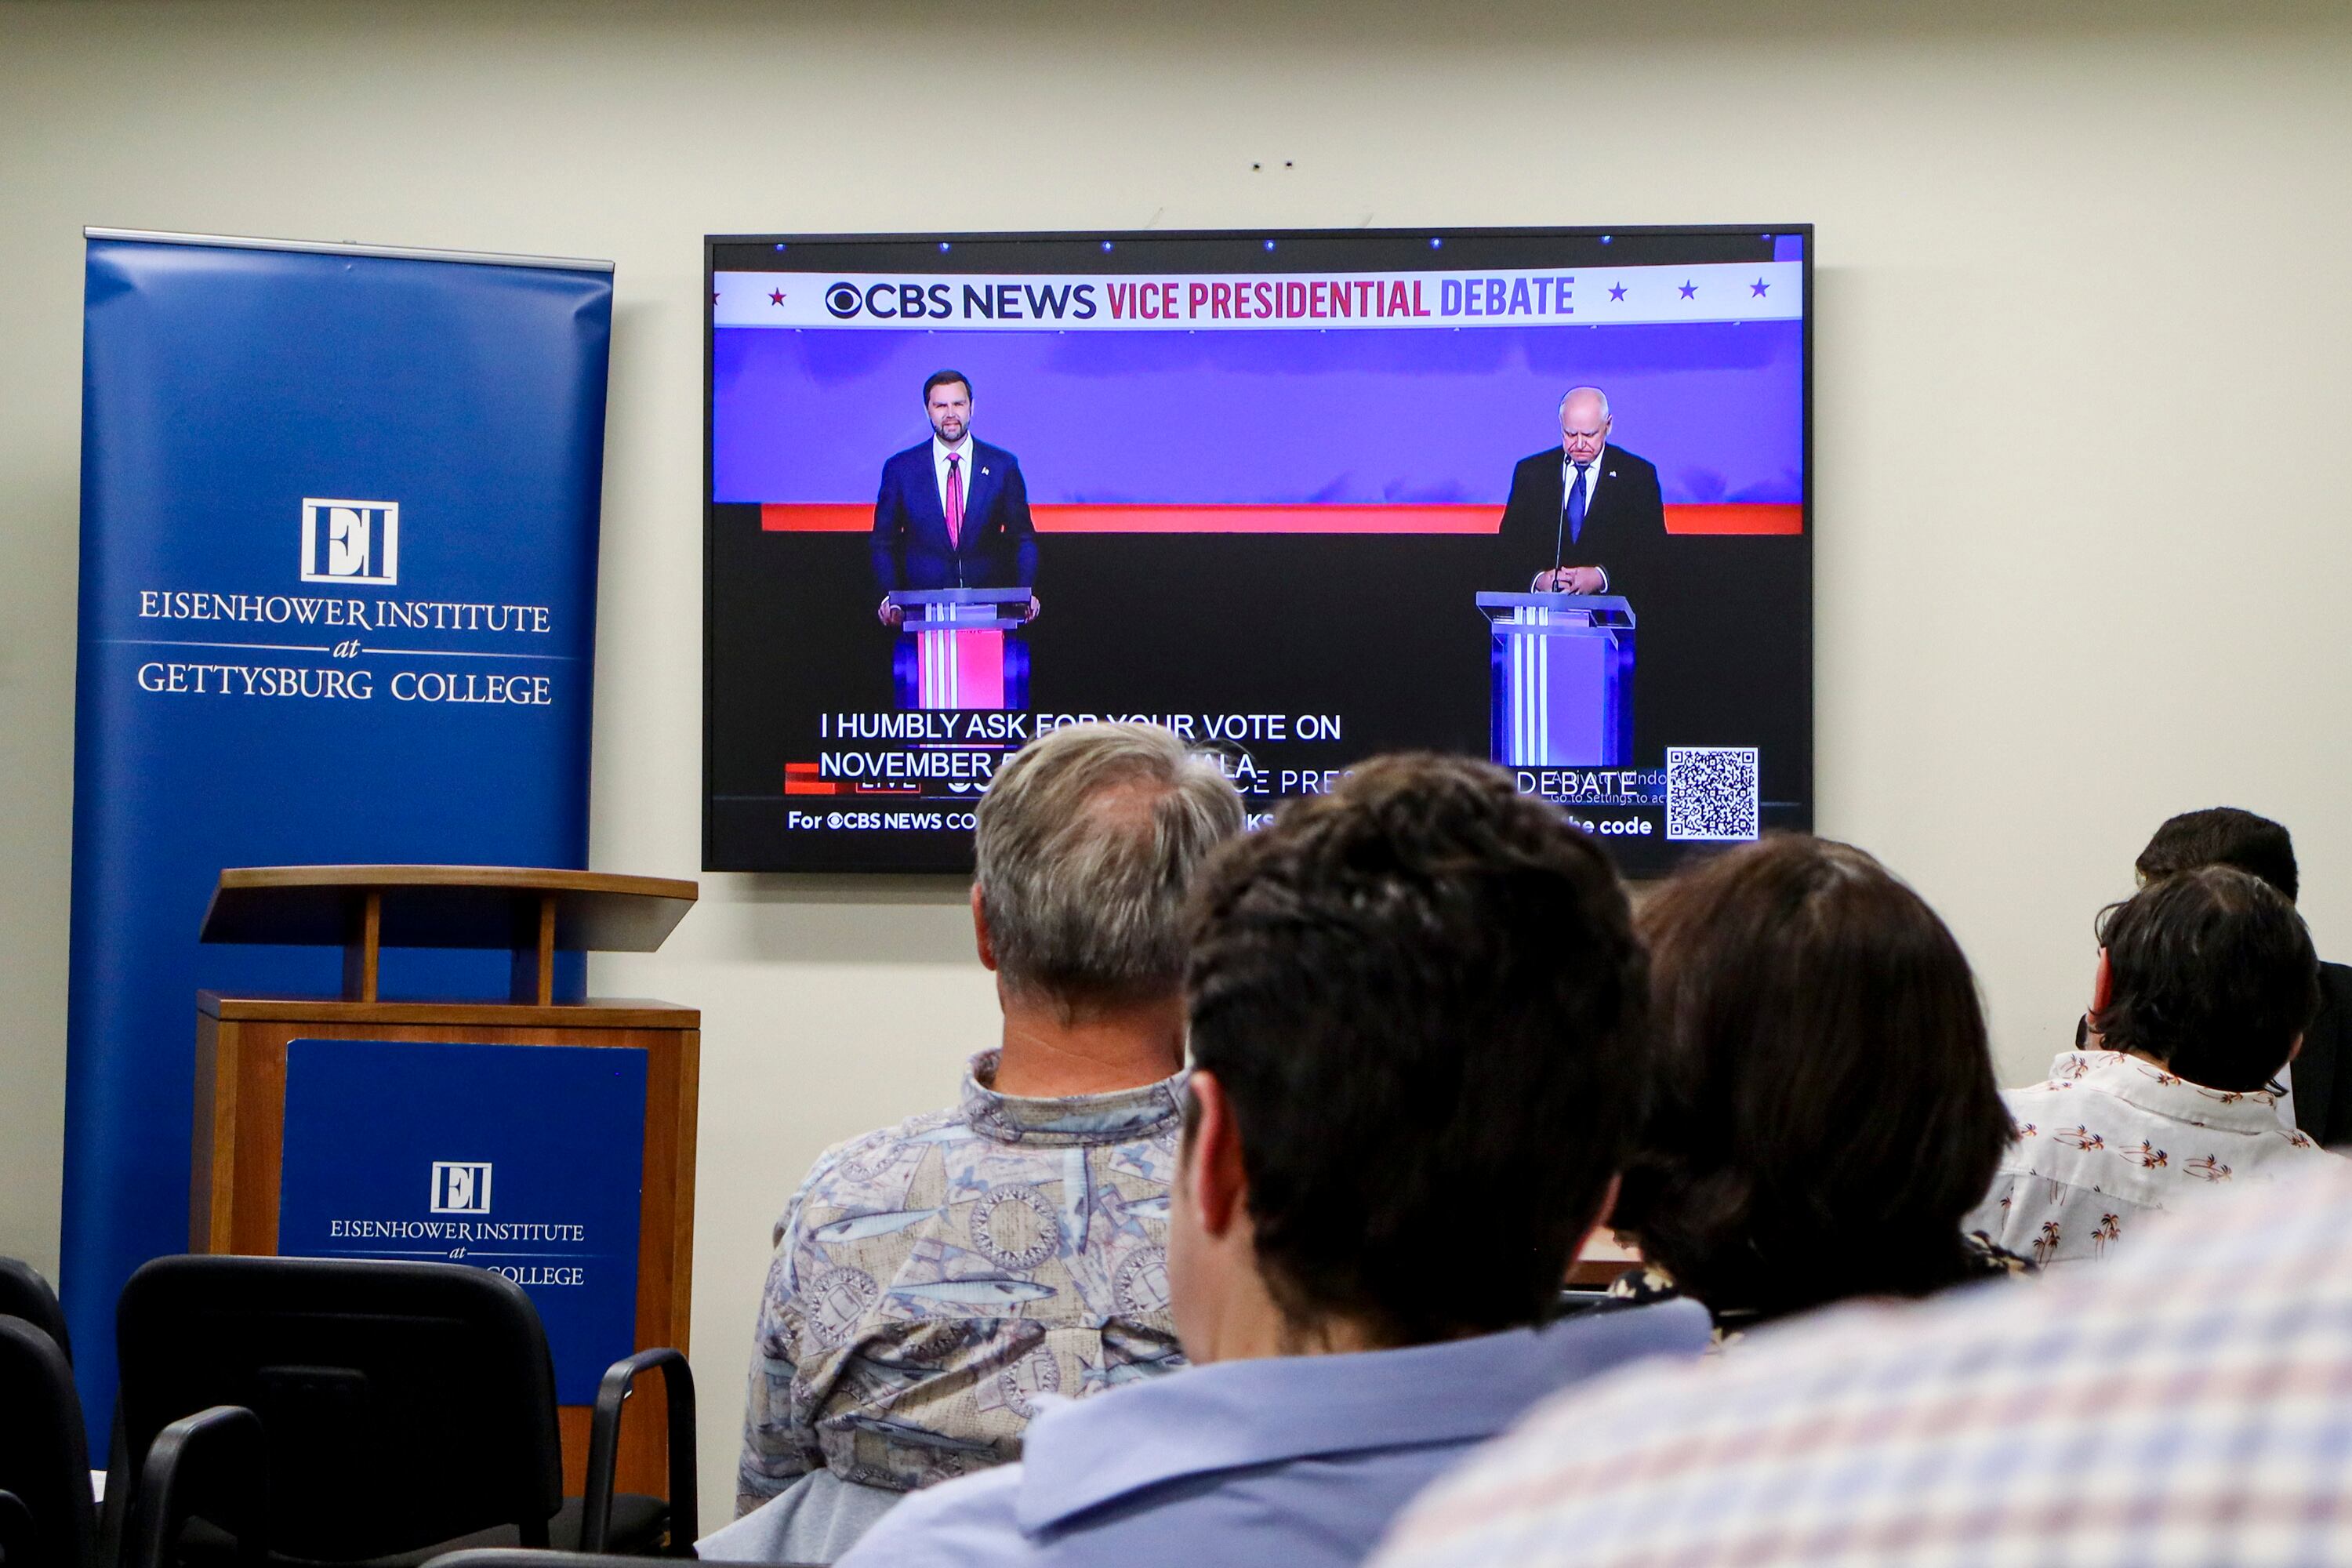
351 540
461 1186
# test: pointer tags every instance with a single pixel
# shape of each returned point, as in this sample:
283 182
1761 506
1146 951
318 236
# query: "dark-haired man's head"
947 401
1824 1111
1417 1010
2221 836
2210 972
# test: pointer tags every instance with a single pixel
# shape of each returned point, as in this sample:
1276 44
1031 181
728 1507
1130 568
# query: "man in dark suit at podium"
954 512
1584 517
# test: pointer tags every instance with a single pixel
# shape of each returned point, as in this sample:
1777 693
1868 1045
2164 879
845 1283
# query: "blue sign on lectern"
527 1159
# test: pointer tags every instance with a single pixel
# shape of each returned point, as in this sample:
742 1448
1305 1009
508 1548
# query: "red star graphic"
775 296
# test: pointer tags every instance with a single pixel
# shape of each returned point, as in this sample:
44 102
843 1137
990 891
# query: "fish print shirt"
932 1279
2112 1136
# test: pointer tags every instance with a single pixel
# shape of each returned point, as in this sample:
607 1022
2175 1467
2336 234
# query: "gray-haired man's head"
1087 843
1584 423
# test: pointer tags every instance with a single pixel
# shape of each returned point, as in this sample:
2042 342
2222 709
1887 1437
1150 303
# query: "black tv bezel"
1117 252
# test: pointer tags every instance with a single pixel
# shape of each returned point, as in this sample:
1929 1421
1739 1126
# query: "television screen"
1535 494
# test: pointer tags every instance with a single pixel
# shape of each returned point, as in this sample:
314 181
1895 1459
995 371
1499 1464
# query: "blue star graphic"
1690 289
1757 288
1617 292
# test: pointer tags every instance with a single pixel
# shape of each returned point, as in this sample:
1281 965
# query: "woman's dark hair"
1423 999
2212 972
1824 1108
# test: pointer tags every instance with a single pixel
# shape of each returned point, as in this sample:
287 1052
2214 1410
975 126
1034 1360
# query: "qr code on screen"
1711 793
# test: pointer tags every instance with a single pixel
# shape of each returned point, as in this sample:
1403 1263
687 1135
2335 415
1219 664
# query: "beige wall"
2081 422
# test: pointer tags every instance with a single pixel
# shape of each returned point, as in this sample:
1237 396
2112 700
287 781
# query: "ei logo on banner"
351 540
461 1186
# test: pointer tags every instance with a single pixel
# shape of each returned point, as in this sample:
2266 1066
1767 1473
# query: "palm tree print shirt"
2109 1137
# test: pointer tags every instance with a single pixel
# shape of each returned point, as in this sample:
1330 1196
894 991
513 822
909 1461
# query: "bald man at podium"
1585 516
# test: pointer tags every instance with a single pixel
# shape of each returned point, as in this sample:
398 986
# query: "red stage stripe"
855 517
1732 517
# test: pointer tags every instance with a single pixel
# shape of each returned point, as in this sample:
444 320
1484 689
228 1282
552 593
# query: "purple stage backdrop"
1265 417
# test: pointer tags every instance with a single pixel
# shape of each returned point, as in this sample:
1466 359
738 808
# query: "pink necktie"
955 501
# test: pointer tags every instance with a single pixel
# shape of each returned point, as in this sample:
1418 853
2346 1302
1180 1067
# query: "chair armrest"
214 1463
16 1533
114 1504
604 1449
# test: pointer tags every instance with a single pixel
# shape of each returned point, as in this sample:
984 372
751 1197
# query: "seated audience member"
2182 1405
2318 1092
2205 981
1826 1112
932 1279
1416 1010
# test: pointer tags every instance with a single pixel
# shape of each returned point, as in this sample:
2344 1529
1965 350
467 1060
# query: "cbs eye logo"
890 301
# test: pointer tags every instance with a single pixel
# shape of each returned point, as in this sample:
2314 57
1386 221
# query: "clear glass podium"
1562 680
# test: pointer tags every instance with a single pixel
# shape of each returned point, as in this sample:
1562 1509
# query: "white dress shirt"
940 451
1591 479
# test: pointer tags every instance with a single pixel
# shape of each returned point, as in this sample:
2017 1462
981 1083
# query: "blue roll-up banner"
339 516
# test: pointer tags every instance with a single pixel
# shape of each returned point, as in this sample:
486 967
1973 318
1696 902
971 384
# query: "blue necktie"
1573 510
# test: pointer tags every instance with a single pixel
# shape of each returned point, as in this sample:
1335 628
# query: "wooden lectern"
242 1049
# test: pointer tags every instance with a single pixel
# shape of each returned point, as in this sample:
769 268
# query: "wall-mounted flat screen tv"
1537 495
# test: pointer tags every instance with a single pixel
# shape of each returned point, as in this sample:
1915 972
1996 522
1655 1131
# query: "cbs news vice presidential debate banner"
338 606
1537 495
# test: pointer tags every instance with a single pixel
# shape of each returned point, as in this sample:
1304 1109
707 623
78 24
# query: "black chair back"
44 1452
403 1404
25 1294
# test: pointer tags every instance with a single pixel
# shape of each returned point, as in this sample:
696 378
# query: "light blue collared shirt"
1300 1460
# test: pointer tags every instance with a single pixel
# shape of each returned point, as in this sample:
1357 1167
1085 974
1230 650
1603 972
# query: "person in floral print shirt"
933 1280
2206 982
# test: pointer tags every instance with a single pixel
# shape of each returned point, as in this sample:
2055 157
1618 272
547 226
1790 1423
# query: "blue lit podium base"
1562 681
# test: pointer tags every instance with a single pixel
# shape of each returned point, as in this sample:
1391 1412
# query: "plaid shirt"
933 1278
2189 1402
